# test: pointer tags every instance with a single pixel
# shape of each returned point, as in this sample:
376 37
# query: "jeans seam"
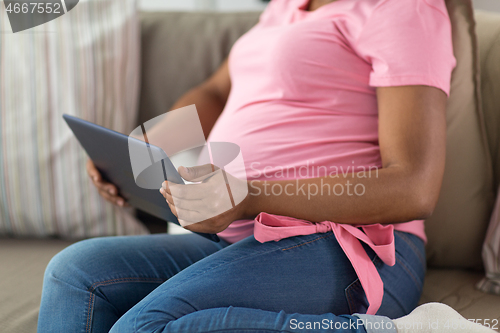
256 254
357 284
96 285
249 330
311 241
412 245
91 306
234 261
413 277
350 302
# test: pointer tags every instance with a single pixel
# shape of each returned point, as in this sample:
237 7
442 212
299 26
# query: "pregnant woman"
339 110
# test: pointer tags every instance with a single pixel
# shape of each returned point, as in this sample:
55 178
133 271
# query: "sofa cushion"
82 64
488 29
491 254
181 50
456 288
458 225
23 263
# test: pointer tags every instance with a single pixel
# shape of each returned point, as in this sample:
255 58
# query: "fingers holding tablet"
107 190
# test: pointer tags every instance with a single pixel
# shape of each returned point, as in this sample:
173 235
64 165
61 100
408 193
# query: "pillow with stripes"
84 63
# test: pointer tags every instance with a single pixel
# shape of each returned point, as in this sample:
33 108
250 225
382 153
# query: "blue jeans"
186 283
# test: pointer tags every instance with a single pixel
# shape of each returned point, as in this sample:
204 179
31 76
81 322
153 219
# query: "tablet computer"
109 150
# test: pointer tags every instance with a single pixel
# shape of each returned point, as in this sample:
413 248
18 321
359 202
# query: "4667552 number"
34 7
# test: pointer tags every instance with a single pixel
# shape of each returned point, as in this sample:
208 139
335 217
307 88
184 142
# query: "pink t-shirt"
303 96
303 100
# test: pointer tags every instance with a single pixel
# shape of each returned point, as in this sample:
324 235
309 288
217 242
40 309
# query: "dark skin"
412 140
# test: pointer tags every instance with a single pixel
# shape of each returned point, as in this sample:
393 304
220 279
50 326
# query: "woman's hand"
107 190
212 204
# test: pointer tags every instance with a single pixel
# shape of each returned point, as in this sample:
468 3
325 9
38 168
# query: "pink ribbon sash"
380 238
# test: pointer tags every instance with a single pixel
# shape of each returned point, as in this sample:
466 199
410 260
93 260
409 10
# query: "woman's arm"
210 98
412 139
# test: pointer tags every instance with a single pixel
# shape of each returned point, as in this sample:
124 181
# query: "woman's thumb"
197 173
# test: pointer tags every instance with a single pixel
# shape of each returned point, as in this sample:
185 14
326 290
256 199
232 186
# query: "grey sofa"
175 58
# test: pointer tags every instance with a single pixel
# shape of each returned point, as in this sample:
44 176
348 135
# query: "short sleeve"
408 42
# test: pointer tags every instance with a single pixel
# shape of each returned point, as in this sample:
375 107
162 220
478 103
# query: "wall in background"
491 5
166 4
244 5
218 5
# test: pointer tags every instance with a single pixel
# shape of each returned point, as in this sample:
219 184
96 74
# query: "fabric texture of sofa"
179 50
81 64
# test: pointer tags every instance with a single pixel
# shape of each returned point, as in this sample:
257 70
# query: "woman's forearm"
387 195
210 98
209 106
412 138
208 102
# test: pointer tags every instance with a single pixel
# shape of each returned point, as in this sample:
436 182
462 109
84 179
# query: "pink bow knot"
380 238
323 227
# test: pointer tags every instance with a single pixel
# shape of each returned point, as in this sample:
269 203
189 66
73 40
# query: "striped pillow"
85 63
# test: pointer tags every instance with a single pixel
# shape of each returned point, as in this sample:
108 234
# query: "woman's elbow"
424 201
